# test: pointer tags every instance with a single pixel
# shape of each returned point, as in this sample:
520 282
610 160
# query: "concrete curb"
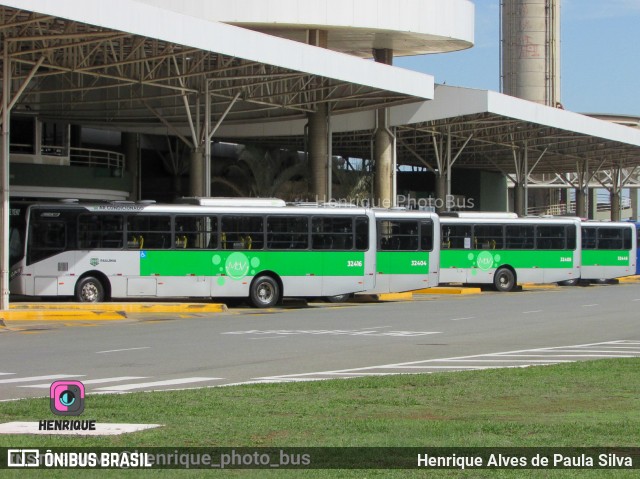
539 286
447 290
99 312
629 279
62 315
367 298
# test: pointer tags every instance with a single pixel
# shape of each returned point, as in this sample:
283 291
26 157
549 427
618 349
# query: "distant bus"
498 249
408 250
259 249
637 247
609 250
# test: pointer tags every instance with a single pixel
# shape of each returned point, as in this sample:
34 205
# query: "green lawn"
590 403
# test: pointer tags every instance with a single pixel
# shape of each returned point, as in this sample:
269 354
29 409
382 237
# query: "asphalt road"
430 334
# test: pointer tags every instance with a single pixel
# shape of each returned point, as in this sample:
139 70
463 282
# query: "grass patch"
588 403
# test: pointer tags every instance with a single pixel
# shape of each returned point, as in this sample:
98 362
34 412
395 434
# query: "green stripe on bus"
238 264
605 257
491 259
402 262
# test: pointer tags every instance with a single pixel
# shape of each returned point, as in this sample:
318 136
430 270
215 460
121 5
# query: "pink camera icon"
66 398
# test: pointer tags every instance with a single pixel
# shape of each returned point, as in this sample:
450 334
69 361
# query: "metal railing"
570 208
96 158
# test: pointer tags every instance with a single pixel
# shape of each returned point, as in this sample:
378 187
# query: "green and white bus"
503 250
260 249
407 255
609 250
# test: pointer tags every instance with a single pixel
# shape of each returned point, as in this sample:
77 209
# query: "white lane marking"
561 355
336 332
40 378
119 350
6 374
517 353
430 366
589 305
534 311
461 319
152 384
587 350
502 360
90 381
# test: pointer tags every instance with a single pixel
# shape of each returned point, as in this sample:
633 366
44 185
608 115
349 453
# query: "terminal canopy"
131 66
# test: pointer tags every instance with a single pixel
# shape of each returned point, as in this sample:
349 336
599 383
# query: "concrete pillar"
132 163
318 153
633 192
592 204
383 146
196 172
383 151
318 133
519 193
441 192
581 202
614 195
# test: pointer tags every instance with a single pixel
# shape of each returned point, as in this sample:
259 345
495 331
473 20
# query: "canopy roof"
130 65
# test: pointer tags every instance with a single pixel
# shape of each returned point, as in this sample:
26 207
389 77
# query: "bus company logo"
485 261
94 261
237 265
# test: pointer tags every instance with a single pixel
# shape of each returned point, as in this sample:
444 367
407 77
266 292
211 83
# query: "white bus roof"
479 214
227 201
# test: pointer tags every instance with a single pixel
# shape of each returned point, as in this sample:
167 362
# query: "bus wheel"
264 292
338 298
89 290
569 282
504 280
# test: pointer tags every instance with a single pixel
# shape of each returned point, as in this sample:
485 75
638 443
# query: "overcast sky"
600 56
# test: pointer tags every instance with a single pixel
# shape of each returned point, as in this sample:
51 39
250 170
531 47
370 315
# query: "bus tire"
90 290
569 282
504 280
338 298
264 292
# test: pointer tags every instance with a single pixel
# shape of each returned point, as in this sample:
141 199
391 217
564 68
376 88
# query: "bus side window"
627 239
426 236
459 236
196 232
287 232
242 232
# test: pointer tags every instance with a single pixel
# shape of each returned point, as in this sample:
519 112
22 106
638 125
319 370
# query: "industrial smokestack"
530 50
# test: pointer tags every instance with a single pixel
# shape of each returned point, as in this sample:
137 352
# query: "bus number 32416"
354 264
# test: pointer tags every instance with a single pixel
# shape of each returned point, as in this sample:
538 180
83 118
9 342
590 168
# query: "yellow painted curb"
539 286
629 279
125 307
61 315
448 290
408 296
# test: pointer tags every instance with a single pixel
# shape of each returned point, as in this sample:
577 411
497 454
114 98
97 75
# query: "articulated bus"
503 250
609 250
260 249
